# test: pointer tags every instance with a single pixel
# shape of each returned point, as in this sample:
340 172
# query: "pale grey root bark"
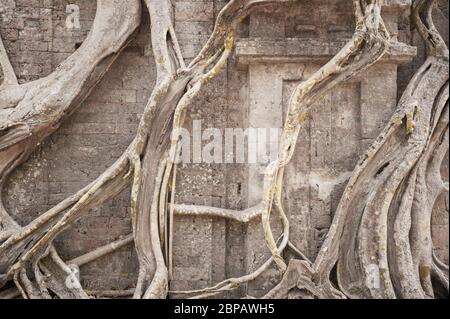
383 218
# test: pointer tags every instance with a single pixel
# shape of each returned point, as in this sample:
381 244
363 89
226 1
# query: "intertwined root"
381 225
31 112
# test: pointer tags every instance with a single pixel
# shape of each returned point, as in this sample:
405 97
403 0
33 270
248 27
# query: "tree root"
379 224
380 228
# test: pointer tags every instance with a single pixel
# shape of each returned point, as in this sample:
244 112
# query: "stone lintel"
298 50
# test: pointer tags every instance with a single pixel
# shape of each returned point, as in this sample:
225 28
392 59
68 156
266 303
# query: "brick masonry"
205 250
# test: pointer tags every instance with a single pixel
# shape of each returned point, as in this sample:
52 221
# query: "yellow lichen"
229 42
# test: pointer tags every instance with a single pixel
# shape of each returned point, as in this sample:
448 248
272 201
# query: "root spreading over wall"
384 215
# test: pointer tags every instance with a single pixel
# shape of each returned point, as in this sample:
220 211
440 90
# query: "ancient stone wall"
274 53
